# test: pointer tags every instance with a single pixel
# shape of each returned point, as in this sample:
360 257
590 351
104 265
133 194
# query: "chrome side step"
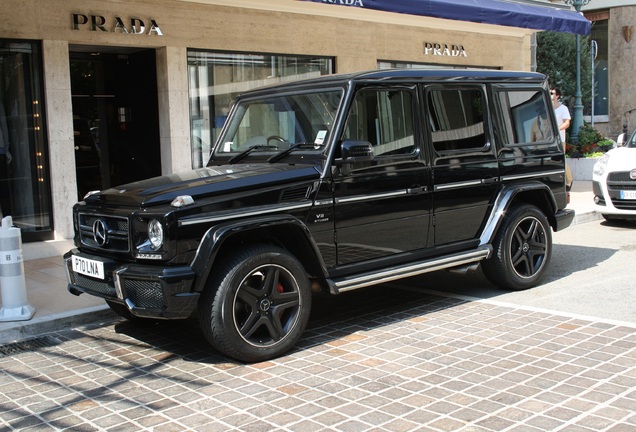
344 284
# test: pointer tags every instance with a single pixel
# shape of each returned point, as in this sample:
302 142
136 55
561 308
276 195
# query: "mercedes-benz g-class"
333 184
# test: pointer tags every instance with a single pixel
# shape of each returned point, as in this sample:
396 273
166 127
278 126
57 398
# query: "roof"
402 75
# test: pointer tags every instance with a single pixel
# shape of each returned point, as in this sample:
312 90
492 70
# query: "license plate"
628 195
88 267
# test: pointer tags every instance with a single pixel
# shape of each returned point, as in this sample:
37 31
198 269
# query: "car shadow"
332 318
566 260
336 317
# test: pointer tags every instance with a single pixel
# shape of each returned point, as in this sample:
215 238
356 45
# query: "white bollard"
12 283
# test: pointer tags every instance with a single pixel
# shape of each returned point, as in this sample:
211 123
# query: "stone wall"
622 66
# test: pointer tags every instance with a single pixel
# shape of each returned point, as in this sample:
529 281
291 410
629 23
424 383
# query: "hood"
202 183
622 159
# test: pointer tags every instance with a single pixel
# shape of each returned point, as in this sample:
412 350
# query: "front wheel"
521 249
256 305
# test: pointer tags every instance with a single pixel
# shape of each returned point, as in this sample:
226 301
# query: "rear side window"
525 117
383 117
456 119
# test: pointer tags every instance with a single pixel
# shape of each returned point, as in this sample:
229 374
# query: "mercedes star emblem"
100 232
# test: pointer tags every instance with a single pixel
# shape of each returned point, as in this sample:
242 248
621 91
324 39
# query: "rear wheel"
521 249
256 305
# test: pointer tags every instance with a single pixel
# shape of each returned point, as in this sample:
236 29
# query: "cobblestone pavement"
375 359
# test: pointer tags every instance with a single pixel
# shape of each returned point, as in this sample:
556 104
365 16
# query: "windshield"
632 141
276 123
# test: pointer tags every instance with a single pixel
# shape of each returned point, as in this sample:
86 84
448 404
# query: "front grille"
624 204
93 285
620 186
145 294
620 176
621 181
116 232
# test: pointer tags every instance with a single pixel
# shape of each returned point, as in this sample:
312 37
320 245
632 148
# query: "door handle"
416 190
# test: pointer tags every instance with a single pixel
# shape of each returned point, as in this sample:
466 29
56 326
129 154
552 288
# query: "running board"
340 285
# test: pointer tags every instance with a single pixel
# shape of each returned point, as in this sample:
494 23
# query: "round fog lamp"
155 234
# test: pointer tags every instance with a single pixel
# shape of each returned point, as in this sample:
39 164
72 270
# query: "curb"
584 217
21 330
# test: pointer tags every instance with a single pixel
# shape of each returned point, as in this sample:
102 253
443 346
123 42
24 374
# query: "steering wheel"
276 138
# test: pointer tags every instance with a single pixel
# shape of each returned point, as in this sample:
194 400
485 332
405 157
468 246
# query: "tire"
256 305
122 311
521 249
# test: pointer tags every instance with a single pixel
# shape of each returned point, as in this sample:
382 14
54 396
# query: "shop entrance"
115 116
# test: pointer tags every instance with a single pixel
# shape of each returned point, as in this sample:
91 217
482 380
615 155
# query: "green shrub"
604 145
594 154
589 138
589 135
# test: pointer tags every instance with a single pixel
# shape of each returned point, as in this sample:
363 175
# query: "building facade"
99 93
613 27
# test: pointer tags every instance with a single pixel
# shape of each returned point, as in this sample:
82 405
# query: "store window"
601 69
24 178
216 78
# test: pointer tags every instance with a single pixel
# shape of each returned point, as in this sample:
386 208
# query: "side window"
456 120
385 119
524 117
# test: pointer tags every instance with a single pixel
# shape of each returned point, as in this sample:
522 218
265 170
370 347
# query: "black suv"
333 184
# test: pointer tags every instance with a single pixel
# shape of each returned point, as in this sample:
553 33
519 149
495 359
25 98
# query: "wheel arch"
535 193
286 231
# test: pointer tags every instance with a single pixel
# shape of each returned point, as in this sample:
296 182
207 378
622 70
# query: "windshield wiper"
279 156
249 150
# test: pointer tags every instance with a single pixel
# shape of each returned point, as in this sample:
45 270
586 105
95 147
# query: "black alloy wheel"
521 249
258 306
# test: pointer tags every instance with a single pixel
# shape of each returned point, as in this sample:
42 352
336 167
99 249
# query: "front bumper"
147 291
608 200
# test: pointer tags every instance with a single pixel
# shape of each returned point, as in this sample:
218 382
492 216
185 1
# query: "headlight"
601 165
155 234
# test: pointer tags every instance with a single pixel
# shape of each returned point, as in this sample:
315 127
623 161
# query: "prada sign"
346 2
436 49
98 23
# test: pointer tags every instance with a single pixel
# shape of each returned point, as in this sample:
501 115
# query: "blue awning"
497 12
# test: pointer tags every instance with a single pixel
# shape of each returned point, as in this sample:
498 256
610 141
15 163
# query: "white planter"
581 168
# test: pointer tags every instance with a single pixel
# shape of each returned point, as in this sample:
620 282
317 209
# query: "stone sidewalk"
372 360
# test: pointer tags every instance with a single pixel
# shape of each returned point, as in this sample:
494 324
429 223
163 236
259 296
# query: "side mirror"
356 151
620 141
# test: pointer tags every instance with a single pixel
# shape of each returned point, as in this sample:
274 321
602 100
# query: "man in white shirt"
562 113
563 121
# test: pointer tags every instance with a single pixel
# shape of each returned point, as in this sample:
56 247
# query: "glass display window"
24 173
